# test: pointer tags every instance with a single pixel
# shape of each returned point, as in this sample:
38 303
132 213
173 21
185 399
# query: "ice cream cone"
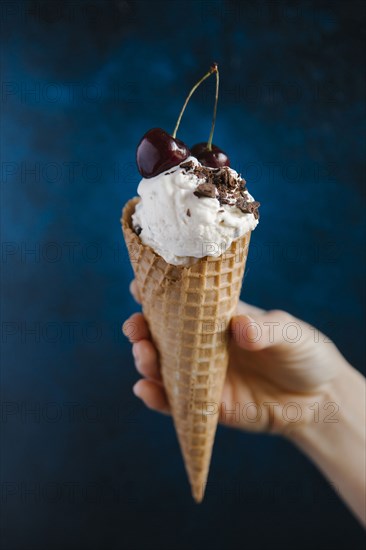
188 310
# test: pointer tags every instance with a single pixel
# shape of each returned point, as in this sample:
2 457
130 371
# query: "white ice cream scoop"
192 211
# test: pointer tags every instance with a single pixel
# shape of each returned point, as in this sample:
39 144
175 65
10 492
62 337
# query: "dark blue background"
84 465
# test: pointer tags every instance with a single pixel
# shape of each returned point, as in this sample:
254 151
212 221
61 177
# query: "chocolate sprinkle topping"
205 190
187 165
221 183
188 212
248 207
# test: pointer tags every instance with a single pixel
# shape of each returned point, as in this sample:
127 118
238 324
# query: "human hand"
279 376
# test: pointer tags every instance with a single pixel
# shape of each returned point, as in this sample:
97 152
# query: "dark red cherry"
214 158
158 151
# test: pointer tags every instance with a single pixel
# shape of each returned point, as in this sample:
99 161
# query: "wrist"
338 447
326 410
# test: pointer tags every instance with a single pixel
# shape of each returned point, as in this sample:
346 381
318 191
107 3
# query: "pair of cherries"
158 151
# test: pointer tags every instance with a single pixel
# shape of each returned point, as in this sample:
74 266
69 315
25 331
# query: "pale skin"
284 377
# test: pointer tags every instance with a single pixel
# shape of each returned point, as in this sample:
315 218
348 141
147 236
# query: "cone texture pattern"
188 310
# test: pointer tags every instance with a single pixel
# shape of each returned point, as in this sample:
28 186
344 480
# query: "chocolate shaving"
221 183
187 165
205 190
226 180
248 207
188 212
243 184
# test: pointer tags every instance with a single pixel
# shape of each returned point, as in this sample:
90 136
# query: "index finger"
135 328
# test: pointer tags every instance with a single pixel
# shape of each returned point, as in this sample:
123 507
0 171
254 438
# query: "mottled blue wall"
84 465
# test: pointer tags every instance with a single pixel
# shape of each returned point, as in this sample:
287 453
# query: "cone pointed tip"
198 494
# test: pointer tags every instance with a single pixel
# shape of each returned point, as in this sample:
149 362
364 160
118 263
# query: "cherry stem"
209 143
213 69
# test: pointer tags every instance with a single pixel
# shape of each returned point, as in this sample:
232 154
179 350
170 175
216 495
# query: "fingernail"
135 390
125 327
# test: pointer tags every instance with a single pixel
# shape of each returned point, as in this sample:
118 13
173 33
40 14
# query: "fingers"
135 291
146 359
263 331
135 328
150 389
153 395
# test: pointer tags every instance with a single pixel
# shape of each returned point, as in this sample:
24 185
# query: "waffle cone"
188 310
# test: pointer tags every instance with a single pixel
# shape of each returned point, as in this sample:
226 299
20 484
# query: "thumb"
272 328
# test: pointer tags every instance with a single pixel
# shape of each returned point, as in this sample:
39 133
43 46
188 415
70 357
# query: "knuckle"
281 315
